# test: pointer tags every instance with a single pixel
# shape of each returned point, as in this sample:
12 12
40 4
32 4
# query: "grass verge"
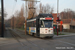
58 33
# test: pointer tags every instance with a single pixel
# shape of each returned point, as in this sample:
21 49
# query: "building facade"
66 22
72 24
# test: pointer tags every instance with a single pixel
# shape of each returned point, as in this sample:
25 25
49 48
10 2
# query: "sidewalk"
66 34
7 39
7 34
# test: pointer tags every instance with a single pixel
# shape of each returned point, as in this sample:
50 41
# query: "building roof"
73 22
45 15
42 15
66 20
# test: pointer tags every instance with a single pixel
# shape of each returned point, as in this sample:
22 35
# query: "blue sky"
63 4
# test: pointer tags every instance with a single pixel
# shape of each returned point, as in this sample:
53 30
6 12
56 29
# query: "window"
48 23
31 24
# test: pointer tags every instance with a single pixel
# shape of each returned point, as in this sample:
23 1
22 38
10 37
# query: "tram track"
16 36
46 39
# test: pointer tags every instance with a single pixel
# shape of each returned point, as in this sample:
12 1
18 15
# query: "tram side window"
34 24
31 24
27 24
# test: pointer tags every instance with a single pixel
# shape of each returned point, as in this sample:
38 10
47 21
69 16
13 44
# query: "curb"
63 36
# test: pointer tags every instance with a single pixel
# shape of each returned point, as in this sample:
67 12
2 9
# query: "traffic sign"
61 22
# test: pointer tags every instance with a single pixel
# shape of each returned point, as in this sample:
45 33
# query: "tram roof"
42 16
45 15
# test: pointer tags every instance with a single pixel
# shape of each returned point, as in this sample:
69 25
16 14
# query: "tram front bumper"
46 35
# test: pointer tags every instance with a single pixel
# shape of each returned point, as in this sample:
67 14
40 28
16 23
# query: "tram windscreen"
47 23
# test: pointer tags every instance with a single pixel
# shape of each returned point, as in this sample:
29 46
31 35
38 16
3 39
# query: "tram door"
37 28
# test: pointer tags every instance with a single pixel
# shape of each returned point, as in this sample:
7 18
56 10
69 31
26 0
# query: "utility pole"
27 13
2 9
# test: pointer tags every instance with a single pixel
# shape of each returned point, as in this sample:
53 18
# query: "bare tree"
32 10
46 9
67 14
41 8
18 18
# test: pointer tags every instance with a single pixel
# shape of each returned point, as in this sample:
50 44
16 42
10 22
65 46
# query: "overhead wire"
14 7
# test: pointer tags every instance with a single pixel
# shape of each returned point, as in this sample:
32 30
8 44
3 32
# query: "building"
66 17
66 22
72 24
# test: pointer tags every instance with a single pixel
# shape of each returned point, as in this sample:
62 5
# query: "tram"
41 26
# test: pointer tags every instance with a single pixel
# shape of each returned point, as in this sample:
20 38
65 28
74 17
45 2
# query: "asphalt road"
33 43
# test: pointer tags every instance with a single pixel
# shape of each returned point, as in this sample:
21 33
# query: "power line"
14 6
13 11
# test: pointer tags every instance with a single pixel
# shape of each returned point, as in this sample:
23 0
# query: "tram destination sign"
46 18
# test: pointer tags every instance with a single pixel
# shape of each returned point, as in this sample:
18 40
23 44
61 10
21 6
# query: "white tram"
41 26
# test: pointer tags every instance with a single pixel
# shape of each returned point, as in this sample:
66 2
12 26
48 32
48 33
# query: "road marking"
67 43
